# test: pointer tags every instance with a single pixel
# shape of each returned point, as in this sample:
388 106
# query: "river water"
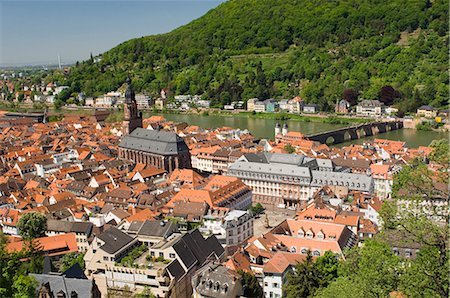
264 128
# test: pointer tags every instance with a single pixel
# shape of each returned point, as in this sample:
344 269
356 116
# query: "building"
52 246
383 179
311 108
132 117
290 179
342 107
251 104
370 108
301 236
259 106
143 101
276 270
220 191
54 285
216 281
82 231
106 249
161 149
230 229
427 112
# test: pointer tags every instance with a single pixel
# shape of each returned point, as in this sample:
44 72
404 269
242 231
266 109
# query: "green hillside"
283 48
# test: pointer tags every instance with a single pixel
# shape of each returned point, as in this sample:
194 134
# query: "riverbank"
319 118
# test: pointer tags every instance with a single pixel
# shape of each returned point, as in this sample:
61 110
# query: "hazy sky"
35 32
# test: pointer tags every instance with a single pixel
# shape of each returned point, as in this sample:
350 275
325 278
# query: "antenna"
59 61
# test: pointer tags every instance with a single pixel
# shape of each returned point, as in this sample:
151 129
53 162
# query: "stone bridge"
354 132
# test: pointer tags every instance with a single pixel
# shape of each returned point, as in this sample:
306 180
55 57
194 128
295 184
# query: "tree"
351 96
70 259
370 271
289 148
388 94
146 293
418 209
424 277
24 286
327 268
304 281
257 209
14 281
21 97
32 225
250 285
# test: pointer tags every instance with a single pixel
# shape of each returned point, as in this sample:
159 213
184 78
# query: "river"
264 128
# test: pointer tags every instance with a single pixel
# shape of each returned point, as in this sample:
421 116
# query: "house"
370 108
216 281
8 221
82 230
311 108
52 246
151 232
299 236
427 112
342 107
231 228
271 105
64 286
106 249
259 106
251 104
276 271
383 179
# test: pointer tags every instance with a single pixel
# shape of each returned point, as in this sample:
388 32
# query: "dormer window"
309 234
216 286
304 251
301 233
293 249
316 253
320 235
225 288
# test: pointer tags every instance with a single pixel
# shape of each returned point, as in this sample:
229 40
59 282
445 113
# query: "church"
161 149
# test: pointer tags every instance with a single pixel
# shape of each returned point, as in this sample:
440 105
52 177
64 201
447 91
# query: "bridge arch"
347 136
330 140
361 133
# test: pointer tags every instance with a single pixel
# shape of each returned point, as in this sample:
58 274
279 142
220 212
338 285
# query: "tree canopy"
32 225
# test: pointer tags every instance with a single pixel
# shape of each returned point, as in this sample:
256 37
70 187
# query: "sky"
35 32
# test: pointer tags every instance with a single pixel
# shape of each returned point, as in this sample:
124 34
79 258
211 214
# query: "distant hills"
282 48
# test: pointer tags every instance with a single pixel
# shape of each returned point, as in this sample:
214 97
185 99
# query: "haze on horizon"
36 32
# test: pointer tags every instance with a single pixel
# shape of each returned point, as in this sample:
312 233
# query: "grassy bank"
333 119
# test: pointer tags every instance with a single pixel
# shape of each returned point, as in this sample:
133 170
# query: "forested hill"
282 48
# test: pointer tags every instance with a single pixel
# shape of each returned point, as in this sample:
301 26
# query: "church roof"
154 141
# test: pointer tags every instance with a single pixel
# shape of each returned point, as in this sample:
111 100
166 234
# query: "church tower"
132 117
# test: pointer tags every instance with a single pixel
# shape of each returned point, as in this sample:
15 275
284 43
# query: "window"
396 252
304 251
316 253
152 253
105 259
172 256
266 284
275 285
161 254
293 249
408 253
